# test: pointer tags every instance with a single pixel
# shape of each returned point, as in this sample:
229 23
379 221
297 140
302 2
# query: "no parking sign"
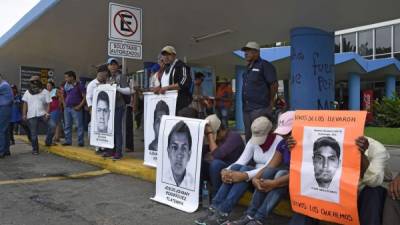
125 23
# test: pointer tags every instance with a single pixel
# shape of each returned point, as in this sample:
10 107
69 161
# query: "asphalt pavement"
50 190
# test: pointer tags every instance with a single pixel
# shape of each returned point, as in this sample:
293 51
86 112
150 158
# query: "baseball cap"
168 49
111 60
34 78
285 123
251 45
214 122
260 129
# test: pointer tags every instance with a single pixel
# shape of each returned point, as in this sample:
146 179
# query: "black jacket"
180 75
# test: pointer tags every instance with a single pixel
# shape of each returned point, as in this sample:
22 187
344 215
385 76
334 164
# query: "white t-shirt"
37 104
256 153
165 76
90 91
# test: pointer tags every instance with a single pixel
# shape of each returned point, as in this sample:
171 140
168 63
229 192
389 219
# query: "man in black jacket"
176 77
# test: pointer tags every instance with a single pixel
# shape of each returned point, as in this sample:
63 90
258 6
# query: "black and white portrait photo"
179 150
155 107
102 112
178 169
326 160
322 168
160 110
102 122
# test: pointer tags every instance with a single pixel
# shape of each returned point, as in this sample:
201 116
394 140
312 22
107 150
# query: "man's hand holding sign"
324 171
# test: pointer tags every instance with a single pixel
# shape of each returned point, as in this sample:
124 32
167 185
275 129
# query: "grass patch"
387 136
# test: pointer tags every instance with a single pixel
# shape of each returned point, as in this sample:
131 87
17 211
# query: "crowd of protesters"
230 163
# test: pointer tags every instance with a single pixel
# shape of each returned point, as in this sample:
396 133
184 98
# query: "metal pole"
124 76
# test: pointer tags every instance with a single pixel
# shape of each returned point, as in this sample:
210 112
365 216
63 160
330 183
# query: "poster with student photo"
178 168
102 120
155 106
322 168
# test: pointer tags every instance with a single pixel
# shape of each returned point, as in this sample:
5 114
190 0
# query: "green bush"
387 111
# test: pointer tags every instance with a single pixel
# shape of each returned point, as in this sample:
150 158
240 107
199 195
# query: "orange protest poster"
325 165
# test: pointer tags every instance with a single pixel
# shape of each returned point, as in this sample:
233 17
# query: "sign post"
125 35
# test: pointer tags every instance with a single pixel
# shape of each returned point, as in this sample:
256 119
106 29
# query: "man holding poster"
326 167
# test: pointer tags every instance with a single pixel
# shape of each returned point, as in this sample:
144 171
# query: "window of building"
365 43
349 42
383 42
337 44
396 37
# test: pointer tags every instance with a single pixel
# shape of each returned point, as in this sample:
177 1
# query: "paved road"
101 200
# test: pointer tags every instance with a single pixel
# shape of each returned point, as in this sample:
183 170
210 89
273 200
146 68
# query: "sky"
11 11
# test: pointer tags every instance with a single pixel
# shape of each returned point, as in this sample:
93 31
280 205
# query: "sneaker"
35 152
216 219
66 144
108 154
254 222
209 212
117 156
99 151
242 221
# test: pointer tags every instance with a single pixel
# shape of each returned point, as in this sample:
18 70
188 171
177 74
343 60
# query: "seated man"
391 211
260 149
223 148
271 184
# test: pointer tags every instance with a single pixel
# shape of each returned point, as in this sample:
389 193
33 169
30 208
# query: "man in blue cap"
120 105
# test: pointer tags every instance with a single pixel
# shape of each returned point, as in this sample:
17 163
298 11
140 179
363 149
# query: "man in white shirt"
101 78
102 74
36 100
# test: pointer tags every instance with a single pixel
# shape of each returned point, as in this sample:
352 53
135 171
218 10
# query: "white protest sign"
180 145
155 106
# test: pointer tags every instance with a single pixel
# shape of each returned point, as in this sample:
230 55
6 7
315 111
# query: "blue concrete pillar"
312 79
240 70
354 91
390 85
286 87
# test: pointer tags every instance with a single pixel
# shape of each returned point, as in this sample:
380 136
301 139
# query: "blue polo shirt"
257 84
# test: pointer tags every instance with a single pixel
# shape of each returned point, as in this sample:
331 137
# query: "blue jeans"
5 118
54 120
118 134
34 126
70 116
370 208
215 168
229 194
263 203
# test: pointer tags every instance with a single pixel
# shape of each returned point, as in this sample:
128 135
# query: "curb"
130 166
